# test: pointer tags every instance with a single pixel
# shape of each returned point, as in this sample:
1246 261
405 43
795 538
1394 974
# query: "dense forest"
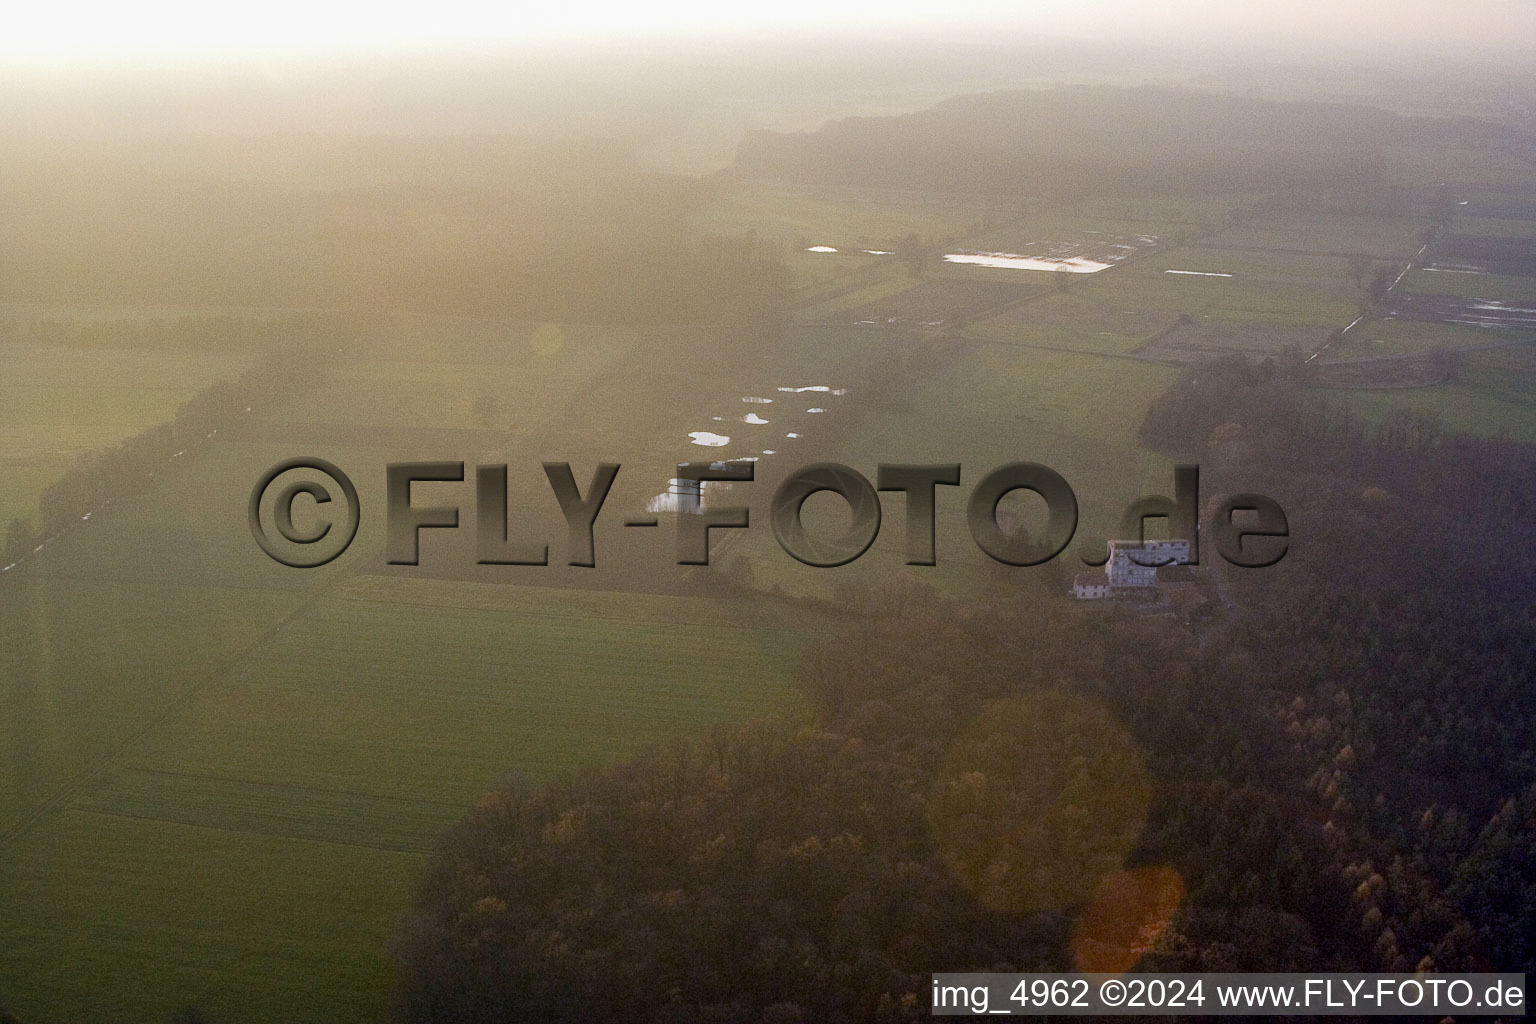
1080 140
1335 774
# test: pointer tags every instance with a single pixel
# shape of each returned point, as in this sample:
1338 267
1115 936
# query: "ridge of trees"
1079 140
294 349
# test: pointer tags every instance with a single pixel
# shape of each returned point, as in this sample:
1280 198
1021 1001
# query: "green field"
246 764
528 371
999 403
59 402
1394 337
1099 399
1461 407
410 696
1075 321
117 917
1494 227
1264 287
893 281
1479 286
1327 233
1508 370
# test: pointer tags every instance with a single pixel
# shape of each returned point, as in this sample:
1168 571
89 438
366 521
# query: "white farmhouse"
1132 565
1090 586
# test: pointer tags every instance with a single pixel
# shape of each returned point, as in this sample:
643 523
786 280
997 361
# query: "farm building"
1135 563
1090 586
1132 567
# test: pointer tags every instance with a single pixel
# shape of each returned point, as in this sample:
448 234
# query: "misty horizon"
170 33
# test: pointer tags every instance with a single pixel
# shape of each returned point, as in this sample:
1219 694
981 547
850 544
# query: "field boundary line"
261 832
211 776
193 693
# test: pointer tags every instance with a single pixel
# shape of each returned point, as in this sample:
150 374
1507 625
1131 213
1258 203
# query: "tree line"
292 350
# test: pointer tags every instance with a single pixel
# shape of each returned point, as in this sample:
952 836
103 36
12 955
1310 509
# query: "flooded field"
1092 254
772 425
1013 261
1508 256
1455 309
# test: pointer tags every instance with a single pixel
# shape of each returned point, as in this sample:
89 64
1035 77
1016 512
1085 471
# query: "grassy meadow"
59 402
247 764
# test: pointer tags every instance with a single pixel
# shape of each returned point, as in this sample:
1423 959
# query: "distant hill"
1085 138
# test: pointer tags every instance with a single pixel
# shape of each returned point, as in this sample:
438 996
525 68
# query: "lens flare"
1040 798
1129 913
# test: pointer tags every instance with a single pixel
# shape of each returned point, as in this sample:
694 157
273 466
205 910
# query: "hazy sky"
53 32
